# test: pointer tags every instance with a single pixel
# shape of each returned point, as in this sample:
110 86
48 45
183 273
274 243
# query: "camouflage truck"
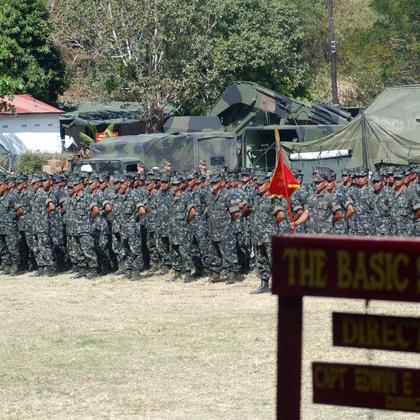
237 132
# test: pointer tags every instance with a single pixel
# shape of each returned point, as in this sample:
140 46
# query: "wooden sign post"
344 267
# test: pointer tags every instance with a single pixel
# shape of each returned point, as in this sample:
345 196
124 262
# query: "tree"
179 52
29 62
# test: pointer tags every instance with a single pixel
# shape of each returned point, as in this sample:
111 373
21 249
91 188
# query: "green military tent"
388 131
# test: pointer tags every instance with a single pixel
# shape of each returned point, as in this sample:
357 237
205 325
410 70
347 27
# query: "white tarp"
17 143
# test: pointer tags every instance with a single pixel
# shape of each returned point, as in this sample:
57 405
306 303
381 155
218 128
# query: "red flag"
283 183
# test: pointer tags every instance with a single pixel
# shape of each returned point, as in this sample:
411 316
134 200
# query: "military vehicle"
238 132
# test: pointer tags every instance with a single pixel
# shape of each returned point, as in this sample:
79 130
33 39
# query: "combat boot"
14 270
176 276
121 269
91 274
81 271
232 278
38 273
264 288
6 269
50 270
164 270
135 275
214 277
188 277
128 273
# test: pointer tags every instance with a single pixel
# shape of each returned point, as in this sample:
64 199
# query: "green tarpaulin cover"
388 131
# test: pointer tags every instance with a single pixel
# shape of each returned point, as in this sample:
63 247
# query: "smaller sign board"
376 332
346 267
378 387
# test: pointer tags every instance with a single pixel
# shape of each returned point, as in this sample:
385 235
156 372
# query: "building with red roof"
34 126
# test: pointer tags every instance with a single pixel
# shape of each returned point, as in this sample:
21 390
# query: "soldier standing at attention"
129 230
222 214
405 206
182 212
299 198
24 196
42 206
100 225
198 224
86 211
163 202
340 227
10 211
266 214
360 204
384 207
320 209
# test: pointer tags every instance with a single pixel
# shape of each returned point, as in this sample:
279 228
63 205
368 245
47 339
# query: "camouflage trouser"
164 249
200 246
181 257
9 249
151 247
57 232
74 250
417 228
263 260
340 227
133 252
117 246
26 244
243 250
87 246
384 226
223 255
43 249
102 239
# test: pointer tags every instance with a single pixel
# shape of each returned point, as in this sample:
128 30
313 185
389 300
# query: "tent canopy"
388 131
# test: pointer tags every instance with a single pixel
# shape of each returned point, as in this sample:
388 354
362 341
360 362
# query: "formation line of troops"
216 226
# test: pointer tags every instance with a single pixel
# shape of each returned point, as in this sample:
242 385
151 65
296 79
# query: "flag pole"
280 158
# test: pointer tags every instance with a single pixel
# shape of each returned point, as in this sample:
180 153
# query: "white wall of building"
30 132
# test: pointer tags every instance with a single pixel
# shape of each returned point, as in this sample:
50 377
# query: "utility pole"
333 52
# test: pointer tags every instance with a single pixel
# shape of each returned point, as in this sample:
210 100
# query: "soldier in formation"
217 226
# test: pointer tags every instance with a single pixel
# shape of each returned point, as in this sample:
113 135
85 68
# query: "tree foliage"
182 52
378 46
28 60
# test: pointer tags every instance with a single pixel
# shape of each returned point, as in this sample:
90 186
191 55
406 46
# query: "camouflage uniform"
363 201
321 208
9 239
101 231
56 226
43 246
405 205
27 243
129 230
83 205
200 247
221 232
150 221
243 243
384 212
163 204
180 237
263 226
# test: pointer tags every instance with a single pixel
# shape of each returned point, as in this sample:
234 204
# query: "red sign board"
384 388
346 267
102 135
376 332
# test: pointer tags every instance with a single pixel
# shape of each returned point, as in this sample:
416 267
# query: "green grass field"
118 349
111 348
